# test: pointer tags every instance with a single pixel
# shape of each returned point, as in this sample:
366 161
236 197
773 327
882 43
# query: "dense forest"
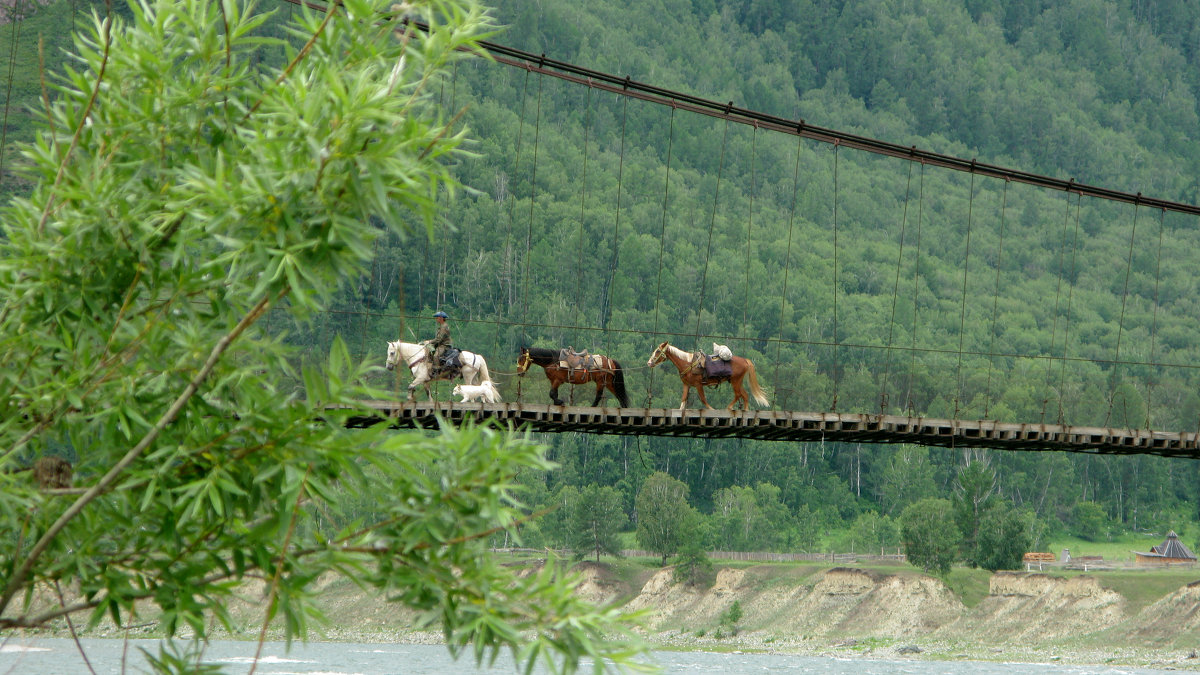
855 282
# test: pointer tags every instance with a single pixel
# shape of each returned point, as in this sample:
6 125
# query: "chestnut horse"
606 373
691 373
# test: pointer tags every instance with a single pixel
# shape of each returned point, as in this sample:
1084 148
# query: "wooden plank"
778 425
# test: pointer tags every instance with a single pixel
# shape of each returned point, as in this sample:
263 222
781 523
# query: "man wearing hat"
441 342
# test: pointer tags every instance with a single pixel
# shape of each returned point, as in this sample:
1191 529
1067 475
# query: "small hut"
1170 551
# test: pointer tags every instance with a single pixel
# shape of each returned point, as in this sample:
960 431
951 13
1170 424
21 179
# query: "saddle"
711 366
451 363
573 360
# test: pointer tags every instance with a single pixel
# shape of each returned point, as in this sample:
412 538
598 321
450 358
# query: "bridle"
659 355
396 355
523 362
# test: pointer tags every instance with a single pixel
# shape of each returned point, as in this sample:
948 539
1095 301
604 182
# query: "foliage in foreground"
180 194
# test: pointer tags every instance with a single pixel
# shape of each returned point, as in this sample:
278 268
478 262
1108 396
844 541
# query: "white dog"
476 392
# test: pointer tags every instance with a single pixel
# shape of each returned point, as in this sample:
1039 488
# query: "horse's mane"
540 353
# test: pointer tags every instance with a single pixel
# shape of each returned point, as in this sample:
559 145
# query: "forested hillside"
855 282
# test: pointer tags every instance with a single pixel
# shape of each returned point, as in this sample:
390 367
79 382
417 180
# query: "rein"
691 365
417 359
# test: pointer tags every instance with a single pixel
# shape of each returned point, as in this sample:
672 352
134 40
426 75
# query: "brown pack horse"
692 375
607 374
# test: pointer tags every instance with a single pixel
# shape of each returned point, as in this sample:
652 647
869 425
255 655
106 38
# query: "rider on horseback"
441 342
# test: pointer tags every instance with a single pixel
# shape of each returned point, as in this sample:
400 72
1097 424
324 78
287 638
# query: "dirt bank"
845 611
842 612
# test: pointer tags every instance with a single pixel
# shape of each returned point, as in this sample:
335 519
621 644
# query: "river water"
45 656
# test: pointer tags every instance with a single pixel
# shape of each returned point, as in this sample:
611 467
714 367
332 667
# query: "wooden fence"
749 556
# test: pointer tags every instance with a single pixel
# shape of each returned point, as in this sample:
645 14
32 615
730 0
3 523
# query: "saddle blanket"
715 366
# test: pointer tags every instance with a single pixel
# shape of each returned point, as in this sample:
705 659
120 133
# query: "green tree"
1088 520
737 519
665 519
180 193
931 539
806 530
693 566
1003 538
597 518
908 478
872 532
974 495
558 523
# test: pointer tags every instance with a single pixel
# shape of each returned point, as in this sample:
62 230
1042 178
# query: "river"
53 656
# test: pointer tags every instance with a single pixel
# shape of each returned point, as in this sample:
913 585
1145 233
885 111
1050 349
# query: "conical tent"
1173 548
1170 551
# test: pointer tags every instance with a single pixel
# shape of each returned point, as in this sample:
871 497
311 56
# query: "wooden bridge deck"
780 425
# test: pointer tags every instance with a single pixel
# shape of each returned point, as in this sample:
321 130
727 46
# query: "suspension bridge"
1108 371
1133 356
782 425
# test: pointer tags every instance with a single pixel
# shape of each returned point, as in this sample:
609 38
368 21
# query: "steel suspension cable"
587 127
440 299
365 295
537 131
711 221
606 306
987 397
1062 370
662 240
626 86
422 272
1188 366
912 364
1062 247
454 86
749 226
837 374
1154 322
506 263
883 390
442 293
12 66
787 262
1112 395
962 317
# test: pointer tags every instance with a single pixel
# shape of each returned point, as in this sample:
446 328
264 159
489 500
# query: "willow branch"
22 573
87 111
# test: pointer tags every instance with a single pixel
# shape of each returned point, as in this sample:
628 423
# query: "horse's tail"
483 371
619 384
760 396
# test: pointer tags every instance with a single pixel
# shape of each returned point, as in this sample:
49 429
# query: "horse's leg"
412 387
739 394
554 393
686 391
600 391
700 391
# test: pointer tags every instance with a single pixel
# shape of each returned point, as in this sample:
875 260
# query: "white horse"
474 369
